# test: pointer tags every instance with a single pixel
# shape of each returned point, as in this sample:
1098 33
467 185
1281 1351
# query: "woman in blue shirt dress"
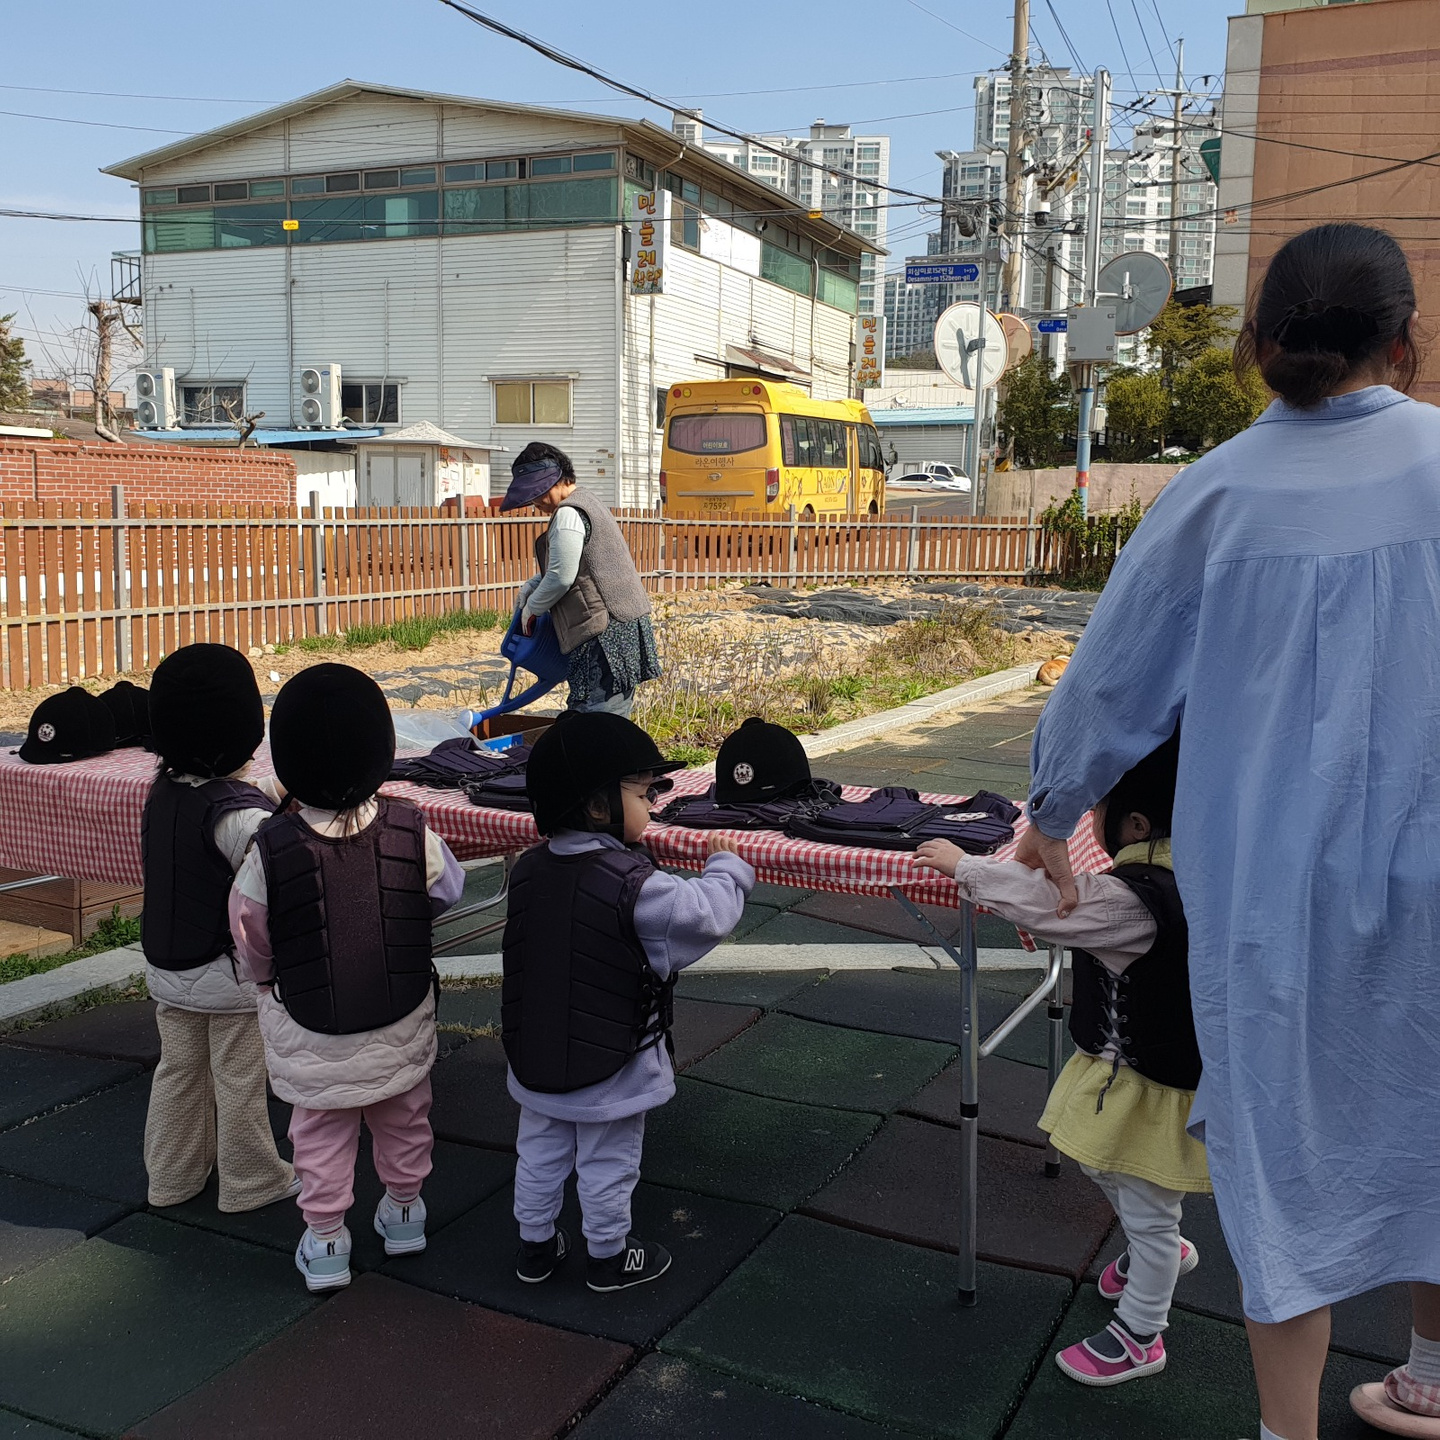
1282 600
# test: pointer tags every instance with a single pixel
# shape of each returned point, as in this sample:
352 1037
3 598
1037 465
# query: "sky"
897 67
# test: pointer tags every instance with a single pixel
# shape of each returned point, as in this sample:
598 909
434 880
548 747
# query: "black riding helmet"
584 754
206 716
1147 788
760 761
73 725
331 737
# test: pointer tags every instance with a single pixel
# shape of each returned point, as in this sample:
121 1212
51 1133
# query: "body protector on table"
354 904
607 586
1143 1015
186 919
579 996
896 818
705 812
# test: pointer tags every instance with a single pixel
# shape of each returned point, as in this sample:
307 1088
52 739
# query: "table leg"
1056 1012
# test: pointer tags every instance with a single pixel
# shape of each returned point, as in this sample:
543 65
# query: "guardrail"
95 589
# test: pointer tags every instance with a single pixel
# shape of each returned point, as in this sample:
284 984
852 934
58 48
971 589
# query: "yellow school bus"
748 447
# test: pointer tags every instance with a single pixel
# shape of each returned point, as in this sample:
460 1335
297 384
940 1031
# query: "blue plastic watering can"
538 653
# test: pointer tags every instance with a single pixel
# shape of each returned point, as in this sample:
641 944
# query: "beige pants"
207 1112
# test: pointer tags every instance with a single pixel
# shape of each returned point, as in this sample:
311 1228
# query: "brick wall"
66 470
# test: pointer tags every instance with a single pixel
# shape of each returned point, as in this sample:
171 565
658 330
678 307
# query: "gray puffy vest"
349 920
579 997
607 586
186 919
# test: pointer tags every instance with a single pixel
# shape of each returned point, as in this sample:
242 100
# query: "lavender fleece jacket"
679 919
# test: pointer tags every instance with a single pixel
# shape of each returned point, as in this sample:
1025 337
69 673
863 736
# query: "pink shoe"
1112 1357
1113 1278
1399 1405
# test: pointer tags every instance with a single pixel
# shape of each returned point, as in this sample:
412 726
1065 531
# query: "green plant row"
111 933
414 632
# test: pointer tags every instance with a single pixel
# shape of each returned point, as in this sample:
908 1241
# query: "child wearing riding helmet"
1121 1105
594 938
331 913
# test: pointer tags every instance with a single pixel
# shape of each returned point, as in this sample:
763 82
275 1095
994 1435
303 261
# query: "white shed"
422 464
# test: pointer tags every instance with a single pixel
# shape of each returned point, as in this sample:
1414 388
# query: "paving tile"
791 928
790 1059
18 1427
663 1396
702 1027
1376 1325
384 1359
924 1005
34 1081
871 1326
752 918
882 915
473 1005
123 1031
748 987
1205 1392
94 1146
463 1176
745 1147
776 897
1012 1099
108 1332
472 1104
38 1221
474 1259
906 1184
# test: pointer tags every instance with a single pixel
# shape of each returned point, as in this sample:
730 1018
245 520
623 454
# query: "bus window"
871 455
722 434
799 440
832 443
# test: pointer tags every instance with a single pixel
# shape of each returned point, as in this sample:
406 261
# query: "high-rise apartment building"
829 169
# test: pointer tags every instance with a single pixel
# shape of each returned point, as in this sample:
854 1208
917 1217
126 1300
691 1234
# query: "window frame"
383 401
189 421
531 381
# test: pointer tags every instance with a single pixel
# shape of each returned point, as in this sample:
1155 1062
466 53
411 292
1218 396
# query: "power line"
1116 28
1164 32
1146 39
1069 44
96 124
955 27
127 95
56 215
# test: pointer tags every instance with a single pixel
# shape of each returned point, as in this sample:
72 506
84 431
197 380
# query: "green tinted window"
572 202
782 268
388 216
237 226
840 291
262 189
308 185
603 161
322 221
159 197
422 175
550 165
462 173
180 230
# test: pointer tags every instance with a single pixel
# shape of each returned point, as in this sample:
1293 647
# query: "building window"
661 393
214 403
532 402
370 404
685 226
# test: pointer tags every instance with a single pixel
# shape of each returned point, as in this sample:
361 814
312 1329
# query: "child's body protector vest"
579 997
349 920
186 920
1147 1009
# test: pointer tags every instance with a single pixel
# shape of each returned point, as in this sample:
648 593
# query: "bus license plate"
723 506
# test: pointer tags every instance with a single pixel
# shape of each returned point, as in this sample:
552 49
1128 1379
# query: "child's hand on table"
939 855
716 843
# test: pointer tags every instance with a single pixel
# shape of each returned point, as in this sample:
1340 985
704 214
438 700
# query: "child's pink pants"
327 1141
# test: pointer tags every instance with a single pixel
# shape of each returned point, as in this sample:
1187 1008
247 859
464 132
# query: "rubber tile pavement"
1205 1392
663 1396
871 1327
38 1221
19 1427
471 1102
108 1332
790 1059
763 988
702 1027
34 1081
463 1177
906 1184
745 1147
474 1259
1012 1099
385 1360
123 1031
885 917
94 1146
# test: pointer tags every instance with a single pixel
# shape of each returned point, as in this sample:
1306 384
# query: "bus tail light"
664 482
772 484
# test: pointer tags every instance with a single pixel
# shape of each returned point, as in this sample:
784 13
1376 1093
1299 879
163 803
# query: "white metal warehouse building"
479 266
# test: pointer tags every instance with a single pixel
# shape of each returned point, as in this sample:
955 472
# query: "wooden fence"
94 589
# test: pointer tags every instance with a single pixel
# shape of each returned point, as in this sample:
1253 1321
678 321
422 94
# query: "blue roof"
932 415
210 433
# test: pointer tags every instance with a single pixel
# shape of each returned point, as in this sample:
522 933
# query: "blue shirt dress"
1283 596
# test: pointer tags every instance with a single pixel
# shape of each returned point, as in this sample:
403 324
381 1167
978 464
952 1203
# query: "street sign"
957 348
1053 327
944 272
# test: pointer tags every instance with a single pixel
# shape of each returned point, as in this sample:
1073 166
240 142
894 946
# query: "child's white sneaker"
324 1261
401 1225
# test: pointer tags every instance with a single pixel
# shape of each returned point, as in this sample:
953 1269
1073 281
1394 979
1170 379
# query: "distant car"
914 480
942 471
956 480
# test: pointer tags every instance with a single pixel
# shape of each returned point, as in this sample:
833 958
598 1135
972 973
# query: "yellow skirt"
1139 1131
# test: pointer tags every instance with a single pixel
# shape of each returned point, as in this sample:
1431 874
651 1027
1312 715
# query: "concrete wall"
1015 492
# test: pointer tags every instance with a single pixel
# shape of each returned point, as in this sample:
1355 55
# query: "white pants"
1150 1217
605 1159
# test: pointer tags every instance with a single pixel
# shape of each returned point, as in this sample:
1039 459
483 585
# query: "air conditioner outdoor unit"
155 407
320 397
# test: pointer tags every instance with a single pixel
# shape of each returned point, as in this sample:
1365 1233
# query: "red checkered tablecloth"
83 820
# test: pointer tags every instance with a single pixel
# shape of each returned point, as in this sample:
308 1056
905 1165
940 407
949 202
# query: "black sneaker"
636 1264
539 1258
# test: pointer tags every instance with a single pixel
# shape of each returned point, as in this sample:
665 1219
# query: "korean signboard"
869 352
649 234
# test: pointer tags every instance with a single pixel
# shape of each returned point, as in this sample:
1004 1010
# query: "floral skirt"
620 658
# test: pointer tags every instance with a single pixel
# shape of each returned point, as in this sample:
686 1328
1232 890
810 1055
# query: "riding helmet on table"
760 761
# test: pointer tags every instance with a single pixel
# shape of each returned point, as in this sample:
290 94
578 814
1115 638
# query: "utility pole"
1010 280
1099 143
1175 160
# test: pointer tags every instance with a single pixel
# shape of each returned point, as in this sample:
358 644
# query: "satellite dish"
1018 339
1138 284
957 335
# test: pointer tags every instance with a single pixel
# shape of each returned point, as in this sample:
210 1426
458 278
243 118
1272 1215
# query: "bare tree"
244 423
